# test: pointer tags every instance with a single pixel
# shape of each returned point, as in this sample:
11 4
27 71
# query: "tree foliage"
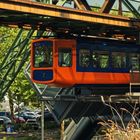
20 90
7 36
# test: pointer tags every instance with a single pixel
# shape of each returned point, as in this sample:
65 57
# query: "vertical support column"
120 8
107 6
62 129
82 5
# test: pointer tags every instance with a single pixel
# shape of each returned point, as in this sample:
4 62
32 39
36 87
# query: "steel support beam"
82 5
131 8
108 4
67 13
120 8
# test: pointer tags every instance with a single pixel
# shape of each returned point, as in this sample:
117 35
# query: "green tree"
20 90
7 36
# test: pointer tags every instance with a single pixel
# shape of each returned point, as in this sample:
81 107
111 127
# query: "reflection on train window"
43 55
118 60
84 57
100 59
135 61
65 57
103 59
95 61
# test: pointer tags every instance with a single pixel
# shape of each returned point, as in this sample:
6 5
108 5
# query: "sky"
100 2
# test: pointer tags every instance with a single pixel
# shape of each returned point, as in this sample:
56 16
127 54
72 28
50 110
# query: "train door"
135 67
65 62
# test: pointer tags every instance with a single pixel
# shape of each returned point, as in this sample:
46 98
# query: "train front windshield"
43 52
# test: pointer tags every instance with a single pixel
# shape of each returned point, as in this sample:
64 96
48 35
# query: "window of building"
65 57
118 60
84 57
135 61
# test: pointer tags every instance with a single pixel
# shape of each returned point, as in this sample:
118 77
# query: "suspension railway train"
101 64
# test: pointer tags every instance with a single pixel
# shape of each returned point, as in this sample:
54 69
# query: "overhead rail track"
29 7
34 15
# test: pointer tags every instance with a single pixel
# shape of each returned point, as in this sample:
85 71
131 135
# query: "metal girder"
17 57
58 19
82 5
67 14
131 8
120 8
107 6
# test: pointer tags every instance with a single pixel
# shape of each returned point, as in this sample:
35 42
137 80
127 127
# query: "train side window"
135 62
64 57
84 57
95 59
100 59
103 59
118 60
43 54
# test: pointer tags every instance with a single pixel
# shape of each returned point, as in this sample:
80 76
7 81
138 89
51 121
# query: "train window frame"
96 61
85 63
46 58
138 61
61 61
123 64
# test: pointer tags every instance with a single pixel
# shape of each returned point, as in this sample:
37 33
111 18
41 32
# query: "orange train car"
85 62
